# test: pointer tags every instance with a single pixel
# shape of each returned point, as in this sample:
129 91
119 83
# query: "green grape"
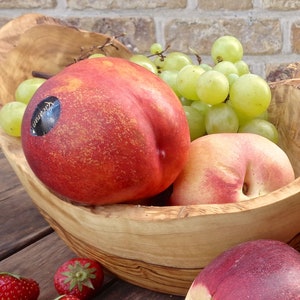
242 67
201 106
243 119
187 79
170 77
232 78
205 67
96 55
159 63
196 121
144 61
226 48
176 61
263 116
11 115
250 95
156 48
212 87
185 102
221 118
26 89
261 127
226 67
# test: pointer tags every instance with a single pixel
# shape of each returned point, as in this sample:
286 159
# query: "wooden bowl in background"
159 248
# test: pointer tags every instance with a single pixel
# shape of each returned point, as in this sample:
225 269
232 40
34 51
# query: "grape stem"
198 57
160 54
39 74
109 42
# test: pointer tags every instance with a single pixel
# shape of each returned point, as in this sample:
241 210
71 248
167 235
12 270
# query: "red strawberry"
81 277
15 287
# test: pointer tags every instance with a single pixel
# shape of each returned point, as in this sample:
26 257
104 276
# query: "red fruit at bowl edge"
260 269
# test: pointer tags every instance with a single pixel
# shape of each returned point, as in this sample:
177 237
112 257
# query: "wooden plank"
20 221
9 181
126 291
39 261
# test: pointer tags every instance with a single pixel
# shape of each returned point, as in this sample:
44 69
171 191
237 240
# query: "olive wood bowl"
161 248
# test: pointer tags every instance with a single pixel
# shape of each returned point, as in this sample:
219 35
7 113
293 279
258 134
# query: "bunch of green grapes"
11 113
220 97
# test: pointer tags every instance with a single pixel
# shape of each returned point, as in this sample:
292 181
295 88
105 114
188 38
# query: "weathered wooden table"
29 246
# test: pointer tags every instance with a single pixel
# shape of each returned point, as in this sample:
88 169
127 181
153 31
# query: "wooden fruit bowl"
159 248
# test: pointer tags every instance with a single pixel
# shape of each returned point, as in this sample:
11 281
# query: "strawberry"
67 297
81 277
15 287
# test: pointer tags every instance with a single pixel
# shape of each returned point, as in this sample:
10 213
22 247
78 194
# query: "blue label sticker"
45 116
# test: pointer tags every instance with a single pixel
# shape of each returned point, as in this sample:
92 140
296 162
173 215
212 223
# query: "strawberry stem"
11 274
79 276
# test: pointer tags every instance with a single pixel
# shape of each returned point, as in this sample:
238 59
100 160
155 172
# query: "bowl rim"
13 152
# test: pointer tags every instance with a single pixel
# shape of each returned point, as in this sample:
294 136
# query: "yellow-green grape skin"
250 95
187 79
232 78
26 89
11 115
228 48
170 77
261 127
185 102
176 61
212 87
205 67
144 61
196 122
201 106
156 48
226 67
264 116
159 63
96 55
221 118
242 67
243 119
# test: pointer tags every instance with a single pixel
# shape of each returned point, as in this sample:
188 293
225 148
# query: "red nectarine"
105 130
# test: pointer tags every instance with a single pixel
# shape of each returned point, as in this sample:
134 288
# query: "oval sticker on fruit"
104 131
45 116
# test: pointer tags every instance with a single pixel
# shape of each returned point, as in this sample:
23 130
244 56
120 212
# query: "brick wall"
268 29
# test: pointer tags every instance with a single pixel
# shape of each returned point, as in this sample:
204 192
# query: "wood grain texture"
284 114
20 221
46 45
13 30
